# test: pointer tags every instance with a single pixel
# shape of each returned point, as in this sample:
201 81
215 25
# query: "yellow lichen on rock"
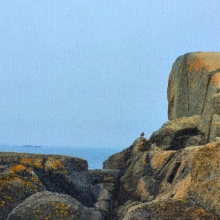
17 168
57 164
33 162
205 60
159 160
181 189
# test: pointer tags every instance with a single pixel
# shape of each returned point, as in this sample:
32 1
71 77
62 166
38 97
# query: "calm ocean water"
94 156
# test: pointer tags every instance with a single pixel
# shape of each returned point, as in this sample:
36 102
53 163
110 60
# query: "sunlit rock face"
194 85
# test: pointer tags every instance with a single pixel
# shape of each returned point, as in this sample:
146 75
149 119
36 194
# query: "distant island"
28 146
31 146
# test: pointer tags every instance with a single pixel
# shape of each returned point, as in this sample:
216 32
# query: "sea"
94 156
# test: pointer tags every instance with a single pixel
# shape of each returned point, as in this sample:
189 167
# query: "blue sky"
94 73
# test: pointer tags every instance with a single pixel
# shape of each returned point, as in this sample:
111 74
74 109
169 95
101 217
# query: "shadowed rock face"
194 85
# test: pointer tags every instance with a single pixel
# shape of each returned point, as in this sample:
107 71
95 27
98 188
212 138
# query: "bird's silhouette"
142 134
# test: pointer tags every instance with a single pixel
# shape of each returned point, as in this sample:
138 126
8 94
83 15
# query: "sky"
94 73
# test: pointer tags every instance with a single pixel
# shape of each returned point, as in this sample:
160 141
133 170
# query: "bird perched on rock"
142 134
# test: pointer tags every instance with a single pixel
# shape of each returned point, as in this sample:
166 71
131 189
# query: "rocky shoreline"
173 175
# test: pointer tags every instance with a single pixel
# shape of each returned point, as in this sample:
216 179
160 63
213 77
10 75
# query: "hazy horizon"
94 73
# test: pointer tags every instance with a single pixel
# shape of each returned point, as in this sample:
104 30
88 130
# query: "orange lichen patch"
215 80
144 160
183 120
196 64
141 146
198 213
56 164
17 168
142 190
108 179
182 188
159 160
61 208
208 169
26 183
205 173
33 162
207 61
52 164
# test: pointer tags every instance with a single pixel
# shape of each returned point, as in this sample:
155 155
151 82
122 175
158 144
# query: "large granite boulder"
194 85
48 205
193 102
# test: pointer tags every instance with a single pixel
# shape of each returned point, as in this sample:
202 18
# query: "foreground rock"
22 175
48 205
169 209
170 184
31 180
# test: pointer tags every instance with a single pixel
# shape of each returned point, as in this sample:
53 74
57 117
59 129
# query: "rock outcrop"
49 205
176 175
34 186
173 175
194 85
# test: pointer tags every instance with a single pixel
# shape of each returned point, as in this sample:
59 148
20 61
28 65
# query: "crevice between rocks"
173 173
181 137
209 132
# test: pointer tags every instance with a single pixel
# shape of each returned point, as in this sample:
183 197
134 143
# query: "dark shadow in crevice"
181 137
173 173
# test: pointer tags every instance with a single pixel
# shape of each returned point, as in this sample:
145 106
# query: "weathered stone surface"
118 161
105 189
22 175
192 175
123 209
215 129
141 144
186 181
48 205
103 199
104 176
194 85
137 168
180 133
169 210
147 188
